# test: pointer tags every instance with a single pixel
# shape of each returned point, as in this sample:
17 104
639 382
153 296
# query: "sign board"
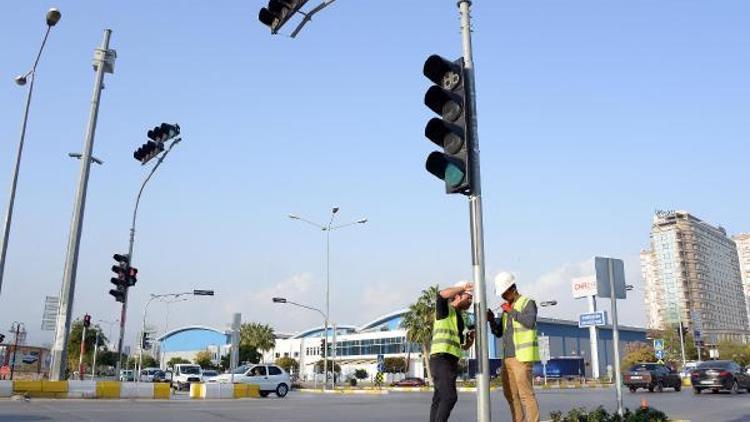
592 319
381 363
49 315
584 286
543 349
602 266
713 353
658 344
659 354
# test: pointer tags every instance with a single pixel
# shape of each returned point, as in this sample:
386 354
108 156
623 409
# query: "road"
307 407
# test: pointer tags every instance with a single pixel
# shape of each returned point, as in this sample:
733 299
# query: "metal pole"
140 344
593 341
15 348
682 345
80 354
96 350
615 337
17 166
475 220
67 291
234 357
328 297
333 359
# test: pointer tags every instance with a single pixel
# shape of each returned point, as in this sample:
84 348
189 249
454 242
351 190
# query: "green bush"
360 374
601 415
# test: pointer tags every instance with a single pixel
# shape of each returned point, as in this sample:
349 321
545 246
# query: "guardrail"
75 389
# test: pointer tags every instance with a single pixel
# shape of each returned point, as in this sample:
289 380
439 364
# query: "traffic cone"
644 404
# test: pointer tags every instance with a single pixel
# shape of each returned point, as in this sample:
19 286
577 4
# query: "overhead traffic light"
148 151
278 12
158 135
163 132
87 320
450 131
121 279
145 341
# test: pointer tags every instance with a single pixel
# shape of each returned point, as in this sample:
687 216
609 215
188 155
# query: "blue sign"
658 344
381 363
659 354
592 319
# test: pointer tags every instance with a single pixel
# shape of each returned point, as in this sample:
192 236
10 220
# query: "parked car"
209 373
184 374
30 358
153 375
409 382
653 376
269 378
718 375
126 375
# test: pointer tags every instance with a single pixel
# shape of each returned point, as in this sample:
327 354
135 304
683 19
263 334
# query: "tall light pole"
145 311
104 62
53 16
328 229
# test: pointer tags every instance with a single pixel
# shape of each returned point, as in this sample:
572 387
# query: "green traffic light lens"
454 175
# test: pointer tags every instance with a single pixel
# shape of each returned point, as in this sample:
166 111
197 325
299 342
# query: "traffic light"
145 341
278 12
148 151
322 347
158 135
130 276
121 280
2 338
450 131
87 320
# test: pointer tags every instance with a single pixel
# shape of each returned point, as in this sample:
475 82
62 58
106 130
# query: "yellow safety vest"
445 338
524 339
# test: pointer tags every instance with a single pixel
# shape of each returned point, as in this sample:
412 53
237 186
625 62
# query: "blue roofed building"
186 342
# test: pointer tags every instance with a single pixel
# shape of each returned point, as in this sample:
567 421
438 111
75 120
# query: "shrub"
360 374
599 414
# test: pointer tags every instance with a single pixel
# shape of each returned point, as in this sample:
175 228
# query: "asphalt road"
308 407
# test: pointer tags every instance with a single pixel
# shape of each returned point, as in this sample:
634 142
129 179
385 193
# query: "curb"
319 391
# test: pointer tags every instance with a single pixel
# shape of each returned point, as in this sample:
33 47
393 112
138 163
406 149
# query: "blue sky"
591 116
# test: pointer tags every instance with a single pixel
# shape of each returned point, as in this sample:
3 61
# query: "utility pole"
477 230
19 330
104 60
80 355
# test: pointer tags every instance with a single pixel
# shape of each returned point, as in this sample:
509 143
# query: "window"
274 370
258 371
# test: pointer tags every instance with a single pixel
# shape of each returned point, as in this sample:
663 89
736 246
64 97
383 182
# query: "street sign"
49 316
543 342
381 363
659 354
592 319
602 277
584 286
658 344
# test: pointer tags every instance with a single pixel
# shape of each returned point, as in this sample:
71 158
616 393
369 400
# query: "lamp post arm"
307 307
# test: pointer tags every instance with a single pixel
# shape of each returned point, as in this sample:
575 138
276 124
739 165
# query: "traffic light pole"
475 220
131 243
80 355
103 63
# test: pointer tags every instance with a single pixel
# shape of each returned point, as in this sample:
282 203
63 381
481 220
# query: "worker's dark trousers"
444 369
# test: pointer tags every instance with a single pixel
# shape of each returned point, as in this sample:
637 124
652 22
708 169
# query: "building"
359 347
186 342
743 251
692 275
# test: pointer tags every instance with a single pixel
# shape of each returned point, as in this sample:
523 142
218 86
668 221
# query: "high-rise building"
743 251
692 275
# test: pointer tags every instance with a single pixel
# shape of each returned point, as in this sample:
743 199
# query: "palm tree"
418 323
258 336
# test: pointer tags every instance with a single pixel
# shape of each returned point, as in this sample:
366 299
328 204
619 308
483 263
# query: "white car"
185 374
269 378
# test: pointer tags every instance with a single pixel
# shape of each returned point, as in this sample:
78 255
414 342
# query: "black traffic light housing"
87 320
122 278
158 135
452 130
163 132
323 346
2 338
278 12
145 341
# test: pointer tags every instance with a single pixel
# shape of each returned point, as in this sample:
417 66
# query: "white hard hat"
503 281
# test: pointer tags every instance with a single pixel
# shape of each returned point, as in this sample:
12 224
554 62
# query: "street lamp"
328 229
53 16
145 311
283 300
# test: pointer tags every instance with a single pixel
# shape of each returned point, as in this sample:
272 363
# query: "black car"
653 376
718 375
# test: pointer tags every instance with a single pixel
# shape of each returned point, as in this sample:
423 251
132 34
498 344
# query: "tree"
74 344
418 323
394 365
319 367
737 352
176 361
203 358
249 354
148 362
258 336
288 364
672 347
106 358
635 353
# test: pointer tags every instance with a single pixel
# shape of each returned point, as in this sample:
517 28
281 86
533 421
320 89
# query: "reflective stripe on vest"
445 337
524 339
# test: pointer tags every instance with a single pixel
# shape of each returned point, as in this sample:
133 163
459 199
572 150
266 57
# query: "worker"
517 327
448 340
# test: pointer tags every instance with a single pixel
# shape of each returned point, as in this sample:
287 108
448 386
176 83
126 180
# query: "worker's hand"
506 307
469 287
470 336
490 315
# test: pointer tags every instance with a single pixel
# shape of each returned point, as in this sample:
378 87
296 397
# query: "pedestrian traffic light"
278 12
451 131
130 276
87 320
